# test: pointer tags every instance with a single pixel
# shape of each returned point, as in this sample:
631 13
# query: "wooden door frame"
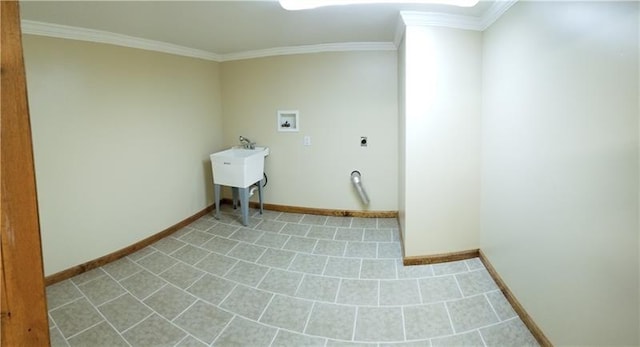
23 306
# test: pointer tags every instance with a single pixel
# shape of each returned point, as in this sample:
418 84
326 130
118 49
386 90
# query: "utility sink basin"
238 167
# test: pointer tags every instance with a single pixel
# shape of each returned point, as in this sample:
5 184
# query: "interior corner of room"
519 139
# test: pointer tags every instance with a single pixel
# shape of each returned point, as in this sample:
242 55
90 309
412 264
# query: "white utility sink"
238 167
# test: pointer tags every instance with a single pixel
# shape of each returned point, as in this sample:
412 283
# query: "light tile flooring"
286 280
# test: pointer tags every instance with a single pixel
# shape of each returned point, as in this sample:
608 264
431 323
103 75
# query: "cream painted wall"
121 142
441 120
402 137
340 96
560 166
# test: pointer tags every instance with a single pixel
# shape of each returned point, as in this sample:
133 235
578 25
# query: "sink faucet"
246 143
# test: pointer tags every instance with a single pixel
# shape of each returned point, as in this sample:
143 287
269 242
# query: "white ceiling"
229 27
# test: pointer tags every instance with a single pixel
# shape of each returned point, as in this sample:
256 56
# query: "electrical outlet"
307 141
363 141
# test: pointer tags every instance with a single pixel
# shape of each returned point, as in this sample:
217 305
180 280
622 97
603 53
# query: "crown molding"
83 34
495 11
328 47
413 18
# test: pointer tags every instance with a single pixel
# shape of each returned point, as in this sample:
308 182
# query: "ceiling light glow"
294 5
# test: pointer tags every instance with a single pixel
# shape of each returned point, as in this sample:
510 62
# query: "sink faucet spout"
246 143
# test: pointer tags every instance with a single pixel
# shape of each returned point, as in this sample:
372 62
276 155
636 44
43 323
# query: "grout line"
404 325
420 291
446 308
493 309
355 322
306 323
265 308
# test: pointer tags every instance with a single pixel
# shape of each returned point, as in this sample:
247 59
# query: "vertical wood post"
24 309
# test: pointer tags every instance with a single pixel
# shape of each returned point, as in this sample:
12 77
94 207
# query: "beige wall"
441 156
121 143
402 136
340 96
560 166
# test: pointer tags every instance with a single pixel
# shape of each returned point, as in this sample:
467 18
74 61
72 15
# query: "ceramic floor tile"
358 222
281 281
75 317
190 254
362 249
247 273
300 244
413 271
182 275
295 229
143 284
426 321
154 331
157 262
512 332
243 332
313 264
379 324
246 235
330 247
378 269
474 264
332 321
358 292
168 245
272 240
471 313
196 237
246 251
211 288
322 232
378 235
290 217
288 313
450 268
318 288
99 335
121 268
190 341
216 282
62 293
203 321
313 219
124 312
270 225
276 258
439 288
169 301
289 339
216 264
399 292
247 302
475 282
220 245
338 221
501 305
389 250
223 230
349 234
101 290
202 224
469 339
343 267
391 223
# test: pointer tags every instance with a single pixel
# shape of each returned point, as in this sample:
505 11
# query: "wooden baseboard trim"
92 264
441 258
524 316
320 211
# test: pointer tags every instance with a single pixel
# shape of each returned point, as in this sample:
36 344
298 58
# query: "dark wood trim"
524 316
90 265
321 211
441 258
24 320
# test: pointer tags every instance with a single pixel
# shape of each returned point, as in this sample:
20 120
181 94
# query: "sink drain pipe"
357 182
